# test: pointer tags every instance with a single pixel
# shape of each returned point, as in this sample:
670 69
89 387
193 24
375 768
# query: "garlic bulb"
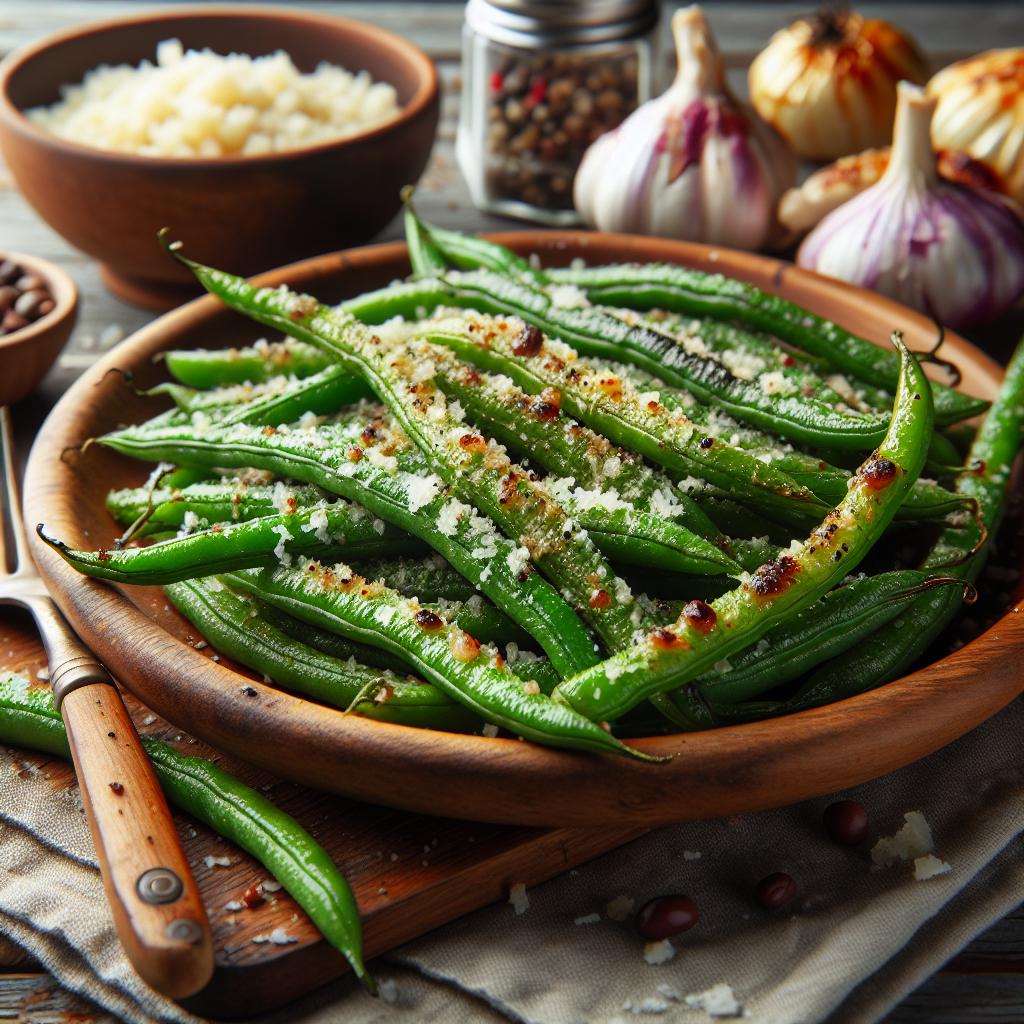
693 164
981 112
836 183
828 83
952 252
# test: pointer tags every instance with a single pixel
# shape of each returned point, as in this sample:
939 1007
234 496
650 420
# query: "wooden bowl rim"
65 298
425 94
593 790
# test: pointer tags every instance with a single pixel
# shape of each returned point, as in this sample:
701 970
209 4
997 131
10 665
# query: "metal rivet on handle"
184 929
159 885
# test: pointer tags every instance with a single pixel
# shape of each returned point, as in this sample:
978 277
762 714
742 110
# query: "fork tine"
12 497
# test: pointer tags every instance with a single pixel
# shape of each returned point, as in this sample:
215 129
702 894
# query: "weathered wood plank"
945 30
954 999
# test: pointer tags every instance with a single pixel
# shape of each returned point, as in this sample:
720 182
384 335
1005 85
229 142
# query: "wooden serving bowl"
245 214
27 354
722 771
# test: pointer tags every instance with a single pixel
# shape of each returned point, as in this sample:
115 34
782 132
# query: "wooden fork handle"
155 903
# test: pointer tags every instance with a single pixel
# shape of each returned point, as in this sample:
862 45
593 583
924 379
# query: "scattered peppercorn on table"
801 494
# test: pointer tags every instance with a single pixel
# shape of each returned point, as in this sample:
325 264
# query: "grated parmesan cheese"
518 560
913 840
422 490
930 866
518 898
619 908
656 953
717 1001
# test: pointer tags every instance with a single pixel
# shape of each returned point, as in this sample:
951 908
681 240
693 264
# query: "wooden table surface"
986 982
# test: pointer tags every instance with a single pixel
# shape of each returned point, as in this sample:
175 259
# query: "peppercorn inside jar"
541 82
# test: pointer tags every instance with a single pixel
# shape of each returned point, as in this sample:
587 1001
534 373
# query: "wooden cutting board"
410 873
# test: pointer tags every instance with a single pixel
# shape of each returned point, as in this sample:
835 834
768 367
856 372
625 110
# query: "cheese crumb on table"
518 898
913 840
717 1001
929 866
619 908
588 919
656 953
649 1006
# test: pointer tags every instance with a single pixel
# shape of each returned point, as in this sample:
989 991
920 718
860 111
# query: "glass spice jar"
542 79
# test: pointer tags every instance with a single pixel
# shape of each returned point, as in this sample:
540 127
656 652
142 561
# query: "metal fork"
156 906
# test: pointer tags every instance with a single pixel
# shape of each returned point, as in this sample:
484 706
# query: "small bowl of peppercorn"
38 308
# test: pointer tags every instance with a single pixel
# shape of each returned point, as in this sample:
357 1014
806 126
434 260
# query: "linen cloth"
855 941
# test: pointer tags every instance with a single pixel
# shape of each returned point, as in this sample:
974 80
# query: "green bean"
274 401
523 663
287 850
736 520
271 403
706 634
331 458
429 579
960 552
468 252
694 293
440 652
327 529
218 499
831 627
336 646
199 368
234 625
233 810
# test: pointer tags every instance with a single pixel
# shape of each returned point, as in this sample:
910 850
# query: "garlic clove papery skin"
693 164
836 183
827 189
949 251
828 83
981 112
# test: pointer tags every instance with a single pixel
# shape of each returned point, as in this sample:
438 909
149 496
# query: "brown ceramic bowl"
722 771
245 214
27 354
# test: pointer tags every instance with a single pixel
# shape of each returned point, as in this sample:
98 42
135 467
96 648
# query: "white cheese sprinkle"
913 840
619 908
518 898
717 1001
656 953
930 866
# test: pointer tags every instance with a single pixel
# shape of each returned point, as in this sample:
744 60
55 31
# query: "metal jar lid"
530 24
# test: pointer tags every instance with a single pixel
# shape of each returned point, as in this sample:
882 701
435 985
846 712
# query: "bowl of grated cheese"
257 134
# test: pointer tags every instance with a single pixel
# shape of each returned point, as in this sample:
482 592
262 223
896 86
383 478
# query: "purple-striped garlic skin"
950 251
693 164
